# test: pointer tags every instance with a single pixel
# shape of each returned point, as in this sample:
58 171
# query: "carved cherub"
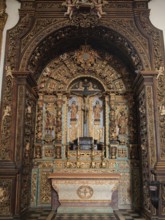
9 71
99 7
70 4
47 72
160 72
7 112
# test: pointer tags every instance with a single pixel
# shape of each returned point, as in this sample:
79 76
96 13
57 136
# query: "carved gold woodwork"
34 188
151 133
34 44
3 19
116 24
94 5
45 188
6 119
5 196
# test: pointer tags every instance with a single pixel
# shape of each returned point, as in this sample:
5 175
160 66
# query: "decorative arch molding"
135 51
106 68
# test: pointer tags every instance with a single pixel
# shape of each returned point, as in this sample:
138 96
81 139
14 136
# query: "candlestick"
68 135
103 134
93 133
78 135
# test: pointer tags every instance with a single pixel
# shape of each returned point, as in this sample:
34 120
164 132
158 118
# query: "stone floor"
128 215
85 217
42 214
37 214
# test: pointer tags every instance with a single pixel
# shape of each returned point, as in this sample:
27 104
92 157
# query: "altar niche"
85 125
85 115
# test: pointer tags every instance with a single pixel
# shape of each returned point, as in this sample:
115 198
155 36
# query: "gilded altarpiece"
93 74
93 105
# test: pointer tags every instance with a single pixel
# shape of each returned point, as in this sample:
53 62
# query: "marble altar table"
86 190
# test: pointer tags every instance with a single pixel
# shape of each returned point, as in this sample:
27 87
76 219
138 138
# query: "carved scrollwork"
85 20
77 64
155 34
144 147
29 117
6 119
5 196
151 134
45 188
14 36
101 33
163 197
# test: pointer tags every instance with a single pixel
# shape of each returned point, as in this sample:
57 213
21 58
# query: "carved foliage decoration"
13 38
163 197
59 72
45 187
161 104
6 124
150 123
3 18
155 34
34 188
144 147
5 196
85 20
105 34
28 149
20 115
59 104
126 27
158 63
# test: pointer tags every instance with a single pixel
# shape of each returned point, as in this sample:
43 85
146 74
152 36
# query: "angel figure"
70 4
99 7
9 71
7 112
160 72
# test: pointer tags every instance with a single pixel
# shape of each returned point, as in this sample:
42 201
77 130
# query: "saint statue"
74 110
97 110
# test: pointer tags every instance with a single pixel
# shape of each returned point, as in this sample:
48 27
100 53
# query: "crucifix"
86 92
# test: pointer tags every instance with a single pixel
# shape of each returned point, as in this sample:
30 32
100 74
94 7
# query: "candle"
103 134
68 135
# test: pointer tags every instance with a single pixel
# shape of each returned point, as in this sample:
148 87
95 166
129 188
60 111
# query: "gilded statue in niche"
49 122
122 122
122 125
74 110
97 110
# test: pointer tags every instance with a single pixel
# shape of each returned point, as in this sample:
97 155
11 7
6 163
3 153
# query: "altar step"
83 209
85 216
47 214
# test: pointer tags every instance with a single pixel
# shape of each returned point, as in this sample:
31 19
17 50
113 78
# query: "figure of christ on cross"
85 94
